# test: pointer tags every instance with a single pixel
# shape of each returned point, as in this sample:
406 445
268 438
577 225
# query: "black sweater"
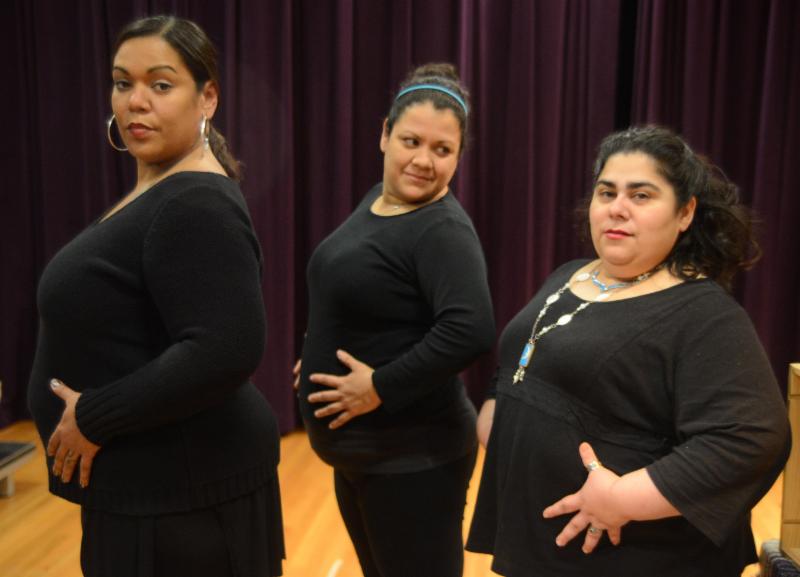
675 381
407 295
156 316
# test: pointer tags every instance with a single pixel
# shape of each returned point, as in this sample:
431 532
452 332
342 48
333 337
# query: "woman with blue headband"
399 305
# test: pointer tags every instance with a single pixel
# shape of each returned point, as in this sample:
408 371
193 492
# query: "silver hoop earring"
203 133
109 122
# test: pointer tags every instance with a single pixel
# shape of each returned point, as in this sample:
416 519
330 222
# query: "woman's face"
633 215
156 101
420 155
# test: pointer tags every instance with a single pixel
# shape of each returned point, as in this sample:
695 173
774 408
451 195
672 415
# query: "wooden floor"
40 534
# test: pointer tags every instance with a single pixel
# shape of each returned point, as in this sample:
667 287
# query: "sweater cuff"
390 400
99 414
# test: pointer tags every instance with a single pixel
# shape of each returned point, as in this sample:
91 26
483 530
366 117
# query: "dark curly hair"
444 74
720 241
200 57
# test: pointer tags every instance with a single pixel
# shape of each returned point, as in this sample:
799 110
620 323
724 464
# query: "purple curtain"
726 74
304 89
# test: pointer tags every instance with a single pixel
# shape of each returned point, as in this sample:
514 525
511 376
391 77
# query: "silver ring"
594 465
594 530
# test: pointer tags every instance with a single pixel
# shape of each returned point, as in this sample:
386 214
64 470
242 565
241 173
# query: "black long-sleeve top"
674 381
407 295
155 315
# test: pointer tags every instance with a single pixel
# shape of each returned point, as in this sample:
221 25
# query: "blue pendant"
524 360
527 353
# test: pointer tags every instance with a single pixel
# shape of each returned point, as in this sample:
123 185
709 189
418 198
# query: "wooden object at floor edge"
790 513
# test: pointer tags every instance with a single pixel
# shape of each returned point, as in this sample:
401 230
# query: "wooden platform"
790 531
40 534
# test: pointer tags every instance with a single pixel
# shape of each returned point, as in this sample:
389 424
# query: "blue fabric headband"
438 88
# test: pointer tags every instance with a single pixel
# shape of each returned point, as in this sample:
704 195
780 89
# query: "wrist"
621 502
375 396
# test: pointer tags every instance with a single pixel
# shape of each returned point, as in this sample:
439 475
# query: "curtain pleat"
305 87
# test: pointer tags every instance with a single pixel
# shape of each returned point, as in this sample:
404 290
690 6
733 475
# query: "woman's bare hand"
67 444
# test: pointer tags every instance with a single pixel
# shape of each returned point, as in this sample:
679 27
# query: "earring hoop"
203 133
109 122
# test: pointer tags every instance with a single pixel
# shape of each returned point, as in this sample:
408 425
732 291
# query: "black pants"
408 523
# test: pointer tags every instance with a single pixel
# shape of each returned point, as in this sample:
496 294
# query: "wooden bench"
12 457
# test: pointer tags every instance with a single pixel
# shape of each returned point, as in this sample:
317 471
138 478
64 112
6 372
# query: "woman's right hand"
67 445
296 373
485 420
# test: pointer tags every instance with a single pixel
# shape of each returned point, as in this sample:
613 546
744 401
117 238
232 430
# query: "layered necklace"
536 333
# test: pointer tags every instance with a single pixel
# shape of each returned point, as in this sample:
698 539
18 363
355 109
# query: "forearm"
173 386
485 421
431 364
636 498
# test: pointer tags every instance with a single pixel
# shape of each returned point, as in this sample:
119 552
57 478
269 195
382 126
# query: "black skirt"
238 538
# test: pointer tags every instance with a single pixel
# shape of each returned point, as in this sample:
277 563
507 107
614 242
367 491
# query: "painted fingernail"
55 383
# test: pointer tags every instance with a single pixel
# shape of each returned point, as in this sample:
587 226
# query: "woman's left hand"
595 506
67 444
351 395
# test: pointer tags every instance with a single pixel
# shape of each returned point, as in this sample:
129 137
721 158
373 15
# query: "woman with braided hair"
152 322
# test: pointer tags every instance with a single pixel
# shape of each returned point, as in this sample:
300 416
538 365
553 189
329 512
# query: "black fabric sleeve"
491 392
730 421
452 278
201 265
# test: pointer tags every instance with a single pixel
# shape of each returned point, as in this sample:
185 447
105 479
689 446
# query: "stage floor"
40 534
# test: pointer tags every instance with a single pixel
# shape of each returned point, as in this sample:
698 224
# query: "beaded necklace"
605 292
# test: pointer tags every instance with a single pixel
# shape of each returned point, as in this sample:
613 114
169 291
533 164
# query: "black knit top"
407 295
156 316
675 381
